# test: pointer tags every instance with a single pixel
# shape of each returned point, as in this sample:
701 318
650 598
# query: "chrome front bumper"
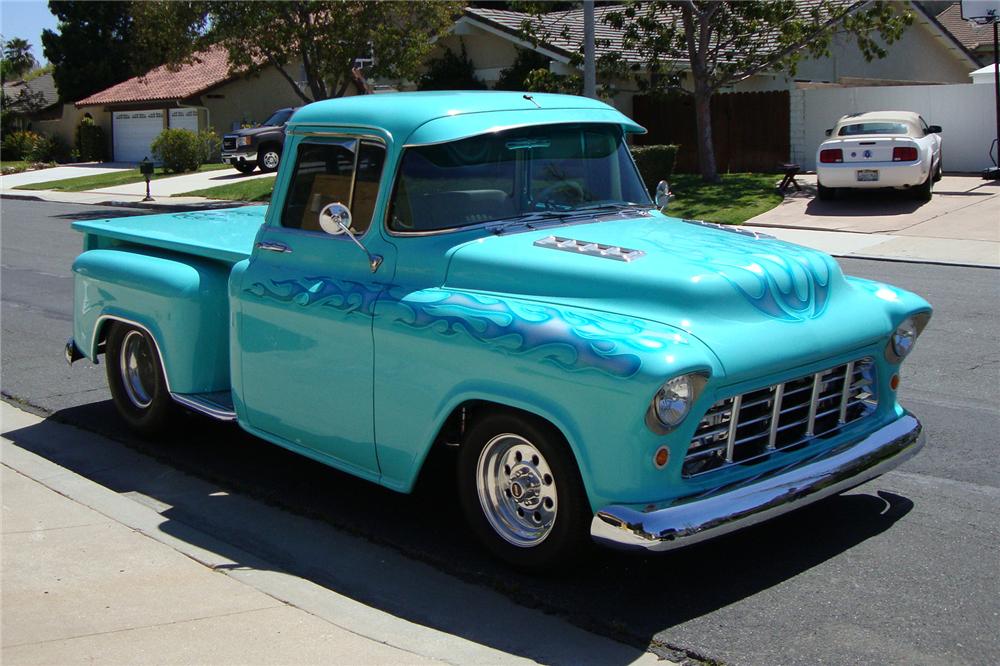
689 521
239 156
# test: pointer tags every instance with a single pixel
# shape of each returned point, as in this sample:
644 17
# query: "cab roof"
419 118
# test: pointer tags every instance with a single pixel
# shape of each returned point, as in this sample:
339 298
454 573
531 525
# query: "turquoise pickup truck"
486 271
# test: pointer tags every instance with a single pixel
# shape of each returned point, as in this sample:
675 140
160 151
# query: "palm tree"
17 56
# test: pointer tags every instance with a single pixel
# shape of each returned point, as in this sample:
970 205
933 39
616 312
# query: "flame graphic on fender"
571 340
781 280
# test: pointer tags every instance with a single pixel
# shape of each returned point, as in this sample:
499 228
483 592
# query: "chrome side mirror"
663 194
335 219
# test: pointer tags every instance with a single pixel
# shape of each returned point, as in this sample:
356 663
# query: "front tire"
268 158
136 380
245 167
521 491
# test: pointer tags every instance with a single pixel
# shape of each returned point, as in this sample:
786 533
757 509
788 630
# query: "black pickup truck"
257 146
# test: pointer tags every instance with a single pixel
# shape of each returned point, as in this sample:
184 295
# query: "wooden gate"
750 130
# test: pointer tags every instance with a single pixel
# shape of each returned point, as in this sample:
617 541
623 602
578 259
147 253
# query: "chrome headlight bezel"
904 337
672 402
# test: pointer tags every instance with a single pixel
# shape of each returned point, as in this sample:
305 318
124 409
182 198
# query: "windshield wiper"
526 219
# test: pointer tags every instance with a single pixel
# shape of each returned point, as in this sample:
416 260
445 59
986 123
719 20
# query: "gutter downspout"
208 112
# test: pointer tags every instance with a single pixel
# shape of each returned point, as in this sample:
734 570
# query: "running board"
218 405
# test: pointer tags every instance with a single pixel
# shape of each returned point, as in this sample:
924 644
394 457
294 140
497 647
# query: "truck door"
304 321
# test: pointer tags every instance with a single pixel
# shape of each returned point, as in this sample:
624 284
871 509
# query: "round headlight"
903 338
673 400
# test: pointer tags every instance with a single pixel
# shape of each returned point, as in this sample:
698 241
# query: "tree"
450 71
91 49
326 38
724 43
17 58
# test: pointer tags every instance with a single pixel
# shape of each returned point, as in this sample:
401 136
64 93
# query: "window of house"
346 171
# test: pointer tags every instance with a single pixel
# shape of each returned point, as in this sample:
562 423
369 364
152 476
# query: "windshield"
861 129
516 172
279 117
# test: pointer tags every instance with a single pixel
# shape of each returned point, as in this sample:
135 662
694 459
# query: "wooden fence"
750 130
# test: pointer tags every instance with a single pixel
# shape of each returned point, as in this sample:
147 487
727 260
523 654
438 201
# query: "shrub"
655 163
211 146
49 149
20 145
90 143
515 77
450 72
179 150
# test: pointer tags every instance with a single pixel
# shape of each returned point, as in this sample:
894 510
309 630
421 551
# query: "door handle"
274 247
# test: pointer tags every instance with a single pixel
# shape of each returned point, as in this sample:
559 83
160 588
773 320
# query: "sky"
26 19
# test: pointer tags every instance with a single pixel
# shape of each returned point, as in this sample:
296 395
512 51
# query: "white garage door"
134 131
184 119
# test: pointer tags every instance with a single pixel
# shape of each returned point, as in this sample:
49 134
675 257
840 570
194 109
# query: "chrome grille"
229 143
781 417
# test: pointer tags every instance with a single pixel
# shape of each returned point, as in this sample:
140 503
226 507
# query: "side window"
325 173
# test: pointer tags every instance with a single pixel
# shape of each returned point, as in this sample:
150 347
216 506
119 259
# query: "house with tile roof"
203 94
977 38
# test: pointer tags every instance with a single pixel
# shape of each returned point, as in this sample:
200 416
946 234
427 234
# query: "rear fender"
180 301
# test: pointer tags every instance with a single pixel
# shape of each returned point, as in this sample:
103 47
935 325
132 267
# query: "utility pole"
589 65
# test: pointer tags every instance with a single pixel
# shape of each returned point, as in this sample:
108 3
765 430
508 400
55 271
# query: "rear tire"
521 491
925 190
939 172
136 380
825 193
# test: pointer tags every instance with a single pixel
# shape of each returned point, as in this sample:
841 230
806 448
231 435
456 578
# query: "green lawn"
257 189
123 177
739 197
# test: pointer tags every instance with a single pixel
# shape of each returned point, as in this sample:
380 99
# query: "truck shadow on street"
415 558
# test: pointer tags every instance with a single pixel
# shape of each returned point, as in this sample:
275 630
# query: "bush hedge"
34 147
181 150
91 145
655 163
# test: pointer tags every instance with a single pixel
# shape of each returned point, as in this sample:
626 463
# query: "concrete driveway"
62 173
960 224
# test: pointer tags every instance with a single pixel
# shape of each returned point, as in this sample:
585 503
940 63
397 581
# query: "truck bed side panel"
181 300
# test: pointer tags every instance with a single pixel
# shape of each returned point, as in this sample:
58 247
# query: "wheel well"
270 144
452 431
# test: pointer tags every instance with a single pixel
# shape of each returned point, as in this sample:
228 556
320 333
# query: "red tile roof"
210 68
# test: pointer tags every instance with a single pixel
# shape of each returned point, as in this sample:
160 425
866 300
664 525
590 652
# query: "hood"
755 301
253 131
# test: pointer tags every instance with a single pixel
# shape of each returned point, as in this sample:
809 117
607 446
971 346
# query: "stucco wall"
65 126
249 100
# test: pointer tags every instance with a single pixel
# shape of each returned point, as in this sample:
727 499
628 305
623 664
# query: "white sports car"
880 149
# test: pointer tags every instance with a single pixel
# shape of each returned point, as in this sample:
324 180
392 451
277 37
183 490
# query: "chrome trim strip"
273 247
817 378
734 423
732 508
204 408
772 435
845 392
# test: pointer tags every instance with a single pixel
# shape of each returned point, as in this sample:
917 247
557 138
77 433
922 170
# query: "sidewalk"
91 575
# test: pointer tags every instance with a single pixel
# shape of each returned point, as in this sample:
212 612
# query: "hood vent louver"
591 249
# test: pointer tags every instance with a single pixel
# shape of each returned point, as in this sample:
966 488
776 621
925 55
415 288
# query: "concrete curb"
206 204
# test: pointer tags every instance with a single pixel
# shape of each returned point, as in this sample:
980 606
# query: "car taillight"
904 154
831 155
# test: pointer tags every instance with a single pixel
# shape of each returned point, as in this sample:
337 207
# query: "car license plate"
867 175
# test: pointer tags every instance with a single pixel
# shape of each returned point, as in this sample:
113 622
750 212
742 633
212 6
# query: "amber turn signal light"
894 382
662 457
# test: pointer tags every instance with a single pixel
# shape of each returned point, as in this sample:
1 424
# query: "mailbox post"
146 169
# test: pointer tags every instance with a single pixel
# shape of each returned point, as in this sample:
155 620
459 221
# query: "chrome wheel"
137 369
517 490
270 160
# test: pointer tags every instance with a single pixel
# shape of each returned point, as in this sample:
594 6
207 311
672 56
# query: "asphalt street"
901 570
